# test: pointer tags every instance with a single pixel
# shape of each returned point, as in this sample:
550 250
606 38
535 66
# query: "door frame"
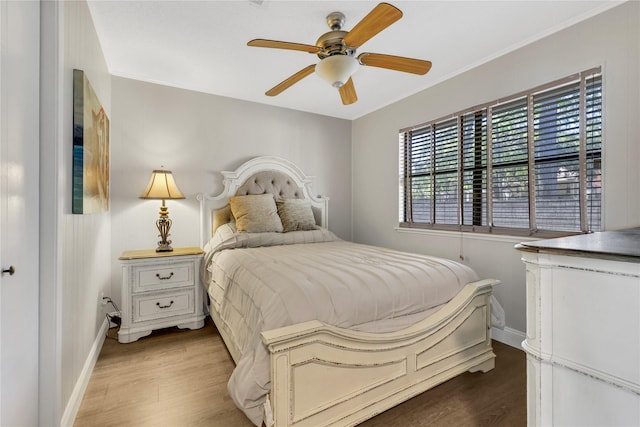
51 135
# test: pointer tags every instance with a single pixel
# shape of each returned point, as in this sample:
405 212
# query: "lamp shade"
162 186
337 69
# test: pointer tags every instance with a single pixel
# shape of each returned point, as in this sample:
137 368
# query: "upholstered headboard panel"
273 182
260 175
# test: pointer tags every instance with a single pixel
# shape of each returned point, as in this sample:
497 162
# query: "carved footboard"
327 376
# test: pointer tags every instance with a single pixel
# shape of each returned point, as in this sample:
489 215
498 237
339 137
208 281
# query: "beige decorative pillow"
296 214
255 213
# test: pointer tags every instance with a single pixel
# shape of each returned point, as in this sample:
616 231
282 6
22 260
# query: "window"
528 164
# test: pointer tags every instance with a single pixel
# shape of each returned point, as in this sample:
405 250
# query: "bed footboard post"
279 387
485 366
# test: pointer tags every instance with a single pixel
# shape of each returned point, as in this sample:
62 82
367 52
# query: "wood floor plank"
179 378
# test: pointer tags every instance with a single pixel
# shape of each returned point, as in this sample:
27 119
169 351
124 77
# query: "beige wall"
196 135
611 39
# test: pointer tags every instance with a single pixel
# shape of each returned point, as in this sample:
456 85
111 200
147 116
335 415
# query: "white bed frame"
323 375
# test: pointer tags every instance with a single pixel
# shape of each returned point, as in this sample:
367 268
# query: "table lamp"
162 187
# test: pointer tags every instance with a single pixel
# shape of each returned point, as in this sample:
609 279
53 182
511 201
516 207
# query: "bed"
326 332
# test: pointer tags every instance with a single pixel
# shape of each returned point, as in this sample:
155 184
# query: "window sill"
468 235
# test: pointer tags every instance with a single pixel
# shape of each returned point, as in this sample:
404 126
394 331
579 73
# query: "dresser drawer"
151 277
150 307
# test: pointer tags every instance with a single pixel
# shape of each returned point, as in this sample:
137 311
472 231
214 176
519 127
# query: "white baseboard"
75 400
508 336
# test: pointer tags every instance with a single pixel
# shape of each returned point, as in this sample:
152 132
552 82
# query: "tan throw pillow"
296 214
255 213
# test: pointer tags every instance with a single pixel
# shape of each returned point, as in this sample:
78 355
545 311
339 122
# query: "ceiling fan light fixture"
337 69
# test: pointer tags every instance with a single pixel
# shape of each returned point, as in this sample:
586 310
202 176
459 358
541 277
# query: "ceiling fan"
337 48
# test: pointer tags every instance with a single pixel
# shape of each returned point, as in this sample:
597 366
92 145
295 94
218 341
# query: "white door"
19 150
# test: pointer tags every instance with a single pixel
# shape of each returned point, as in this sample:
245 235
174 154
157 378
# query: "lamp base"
164 225
164 248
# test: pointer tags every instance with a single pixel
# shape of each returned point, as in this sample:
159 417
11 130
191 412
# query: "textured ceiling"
201 45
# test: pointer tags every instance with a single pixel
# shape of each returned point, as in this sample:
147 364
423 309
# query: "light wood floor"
178 378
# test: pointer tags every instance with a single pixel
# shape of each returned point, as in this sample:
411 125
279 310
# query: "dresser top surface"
623 244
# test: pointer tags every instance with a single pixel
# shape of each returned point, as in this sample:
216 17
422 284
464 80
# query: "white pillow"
255 213
296 214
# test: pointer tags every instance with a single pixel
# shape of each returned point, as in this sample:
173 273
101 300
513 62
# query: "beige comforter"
262 281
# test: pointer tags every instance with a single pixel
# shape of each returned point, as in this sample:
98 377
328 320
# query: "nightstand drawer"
150 277
157 306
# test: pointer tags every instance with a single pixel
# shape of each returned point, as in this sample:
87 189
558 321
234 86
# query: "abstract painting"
90 149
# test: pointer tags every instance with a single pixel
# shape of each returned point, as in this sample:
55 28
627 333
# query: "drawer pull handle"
164 306
164 277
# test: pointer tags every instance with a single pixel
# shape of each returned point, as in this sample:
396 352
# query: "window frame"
483 167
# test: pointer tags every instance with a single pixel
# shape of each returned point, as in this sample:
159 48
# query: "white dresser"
159 290
583 330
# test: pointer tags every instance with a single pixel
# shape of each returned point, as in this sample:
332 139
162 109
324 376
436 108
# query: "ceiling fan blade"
279 88
283 45
397 63
377 20
348 92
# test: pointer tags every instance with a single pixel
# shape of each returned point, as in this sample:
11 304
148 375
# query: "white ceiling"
201 45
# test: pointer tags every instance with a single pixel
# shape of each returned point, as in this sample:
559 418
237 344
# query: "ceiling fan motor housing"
332 43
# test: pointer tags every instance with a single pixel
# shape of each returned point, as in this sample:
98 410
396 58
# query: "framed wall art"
90 149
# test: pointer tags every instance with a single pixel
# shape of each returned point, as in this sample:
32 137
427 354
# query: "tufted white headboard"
260 175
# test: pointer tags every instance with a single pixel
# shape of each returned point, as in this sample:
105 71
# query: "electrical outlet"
103 300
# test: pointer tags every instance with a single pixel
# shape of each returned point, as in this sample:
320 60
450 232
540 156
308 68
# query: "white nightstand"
159 290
